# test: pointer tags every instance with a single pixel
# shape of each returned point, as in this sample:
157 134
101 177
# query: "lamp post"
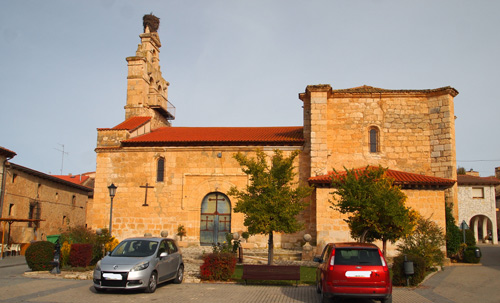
112 192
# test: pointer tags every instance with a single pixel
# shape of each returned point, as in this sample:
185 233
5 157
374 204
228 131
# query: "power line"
478 160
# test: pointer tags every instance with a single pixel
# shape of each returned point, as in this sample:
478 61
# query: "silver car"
139 263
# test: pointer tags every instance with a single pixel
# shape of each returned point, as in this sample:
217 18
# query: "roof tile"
400 178
182 136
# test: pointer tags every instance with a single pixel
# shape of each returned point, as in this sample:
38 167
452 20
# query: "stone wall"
190 174
331 226
61 206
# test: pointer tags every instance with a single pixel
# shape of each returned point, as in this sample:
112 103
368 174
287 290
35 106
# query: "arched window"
374 140
160 169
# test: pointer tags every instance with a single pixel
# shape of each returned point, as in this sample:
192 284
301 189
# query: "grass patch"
307 276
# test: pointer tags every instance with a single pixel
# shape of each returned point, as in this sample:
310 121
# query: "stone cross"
146 197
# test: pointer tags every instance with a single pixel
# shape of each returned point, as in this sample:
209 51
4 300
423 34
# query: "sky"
236 63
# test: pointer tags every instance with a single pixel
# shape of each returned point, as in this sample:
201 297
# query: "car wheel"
152 283
388 300
180 275
324 297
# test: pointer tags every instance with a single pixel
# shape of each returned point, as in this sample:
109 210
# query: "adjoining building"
477 206
169 176
36 205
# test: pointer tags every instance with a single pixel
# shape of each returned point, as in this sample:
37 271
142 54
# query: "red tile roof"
400 178
201 136
132 123
473 180
77 179
129 124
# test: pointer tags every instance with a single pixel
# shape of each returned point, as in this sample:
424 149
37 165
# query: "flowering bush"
100 242
218 266
39 255
109 246
80 255
65 249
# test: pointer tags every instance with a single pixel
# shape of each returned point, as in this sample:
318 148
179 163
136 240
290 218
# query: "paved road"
455 284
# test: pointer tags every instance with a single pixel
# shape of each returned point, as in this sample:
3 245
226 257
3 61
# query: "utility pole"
62 156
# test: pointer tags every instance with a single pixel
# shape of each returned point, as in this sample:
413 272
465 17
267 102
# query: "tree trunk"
384 246
270 252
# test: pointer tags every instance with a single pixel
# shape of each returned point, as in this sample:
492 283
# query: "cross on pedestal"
146 197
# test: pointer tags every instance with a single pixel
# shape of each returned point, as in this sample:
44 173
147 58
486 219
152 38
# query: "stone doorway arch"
215 219
483 228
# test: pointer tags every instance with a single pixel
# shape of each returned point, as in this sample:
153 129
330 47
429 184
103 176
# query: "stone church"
168 176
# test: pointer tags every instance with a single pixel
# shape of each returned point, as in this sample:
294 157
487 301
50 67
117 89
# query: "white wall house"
477 205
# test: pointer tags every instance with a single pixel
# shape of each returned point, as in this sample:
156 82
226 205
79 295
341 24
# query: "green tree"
375 206
272 200
426 241
453 233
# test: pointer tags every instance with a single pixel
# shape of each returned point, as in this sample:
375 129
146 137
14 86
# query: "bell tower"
147 91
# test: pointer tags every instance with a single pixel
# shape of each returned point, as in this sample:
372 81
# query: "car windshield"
357 256
135 248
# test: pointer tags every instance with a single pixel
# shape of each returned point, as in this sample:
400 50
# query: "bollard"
477 252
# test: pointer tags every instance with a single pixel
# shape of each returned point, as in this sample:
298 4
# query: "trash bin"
477 252
53 238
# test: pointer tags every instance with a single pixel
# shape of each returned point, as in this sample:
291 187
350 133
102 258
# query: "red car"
353 270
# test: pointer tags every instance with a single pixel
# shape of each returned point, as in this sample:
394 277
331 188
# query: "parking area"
469 283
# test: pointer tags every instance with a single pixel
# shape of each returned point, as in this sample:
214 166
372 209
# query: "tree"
272 201
425 241
375 206
453 233
461 171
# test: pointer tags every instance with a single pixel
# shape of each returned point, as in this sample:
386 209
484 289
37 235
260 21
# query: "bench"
271 272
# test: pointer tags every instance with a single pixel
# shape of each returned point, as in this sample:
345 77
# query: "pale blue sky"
237 63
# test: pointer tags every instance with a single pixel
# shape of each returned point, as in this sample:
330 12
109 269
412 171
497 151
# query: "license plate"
358 274
109 276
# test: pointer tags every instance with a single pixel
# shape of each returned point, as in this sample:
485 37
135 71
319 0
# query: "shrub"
85 235
65 249
425 241
80 255
39 255
470 255
111 245
399 278
453 233
218 266
470 239
181 231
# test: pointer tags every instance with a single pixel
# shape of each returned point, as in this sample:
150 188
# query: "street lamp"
112 192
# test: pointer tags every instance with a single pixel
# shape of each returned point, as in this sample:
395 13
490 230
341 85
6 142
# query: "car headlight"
140 266
98 265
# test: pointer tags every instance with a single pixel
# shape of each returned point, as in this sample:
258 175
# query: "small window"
11 209
14 176
478 192
160 170
39 190
34 213
73 200
374 140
